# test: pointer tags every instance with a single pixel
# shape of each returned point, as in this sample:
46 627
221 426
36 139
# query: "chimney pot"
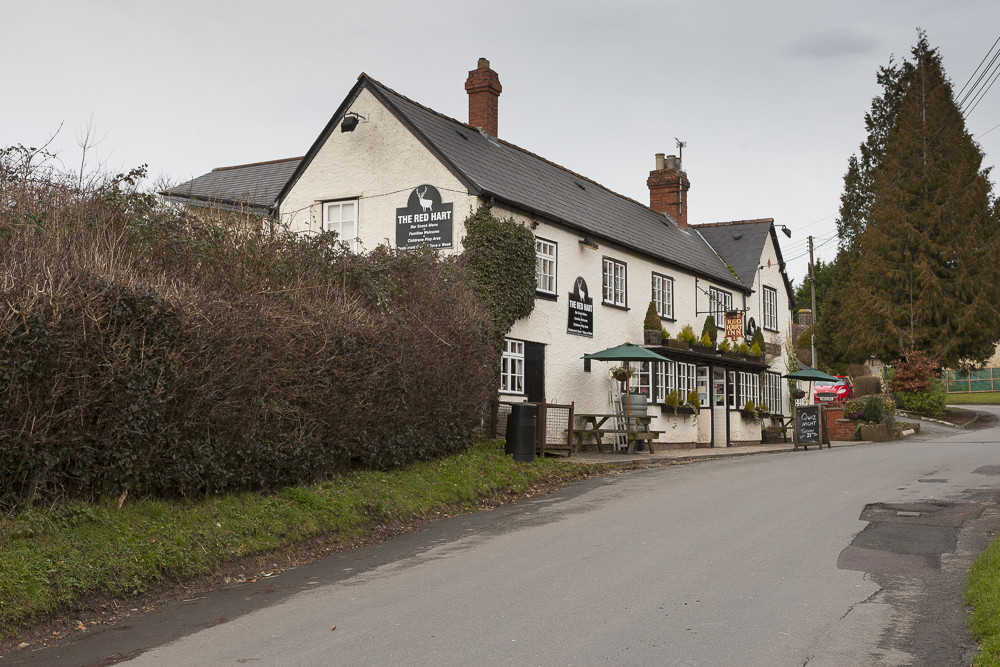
483 87
668 187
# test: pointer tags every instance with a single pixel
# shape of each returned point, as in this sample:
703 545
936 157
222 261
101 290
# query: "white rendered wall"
379 163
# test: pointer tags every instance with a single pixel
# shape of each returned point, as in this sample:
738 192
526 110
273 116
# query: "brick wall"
483 86
668 189
838 428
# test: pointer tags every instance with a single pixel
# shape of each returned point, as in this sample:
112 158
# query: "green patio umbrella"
810 375
627 352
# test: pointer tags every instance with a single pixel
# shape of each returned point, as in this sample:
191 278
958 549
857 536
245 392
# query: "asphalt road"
761 560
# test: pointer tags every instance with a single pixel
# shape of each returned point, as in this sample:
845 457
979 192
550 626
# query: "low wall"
837 428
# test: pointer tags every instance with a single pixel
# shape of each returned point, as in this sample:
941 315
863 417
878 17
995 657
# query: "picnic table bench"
637 428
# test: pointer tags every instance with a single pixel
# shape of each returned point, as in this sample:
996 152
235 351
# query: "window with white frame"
663 295
770 308
614 282
749 388
772 392
512 367
545 266
686 378
342 217
703 386
641 381
732 391
665 379
719 302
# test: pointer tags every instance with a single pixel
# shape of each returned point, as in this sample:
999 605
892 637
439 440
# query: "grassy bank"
986 398
983 594
52 559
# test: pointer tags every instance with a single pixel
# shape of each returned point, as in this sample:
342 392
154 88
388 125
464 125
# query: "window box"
703 349
677 344
681 410
732 355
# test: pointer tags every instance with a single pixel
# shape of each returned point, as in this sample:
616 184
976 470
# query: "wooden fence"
970 382
553 426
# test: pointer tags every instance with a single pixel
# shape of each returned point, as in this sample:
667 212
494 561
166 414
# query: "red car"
825 391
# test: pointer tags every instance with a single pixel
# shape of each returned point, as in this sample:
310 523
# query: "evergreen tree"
918 265
824 272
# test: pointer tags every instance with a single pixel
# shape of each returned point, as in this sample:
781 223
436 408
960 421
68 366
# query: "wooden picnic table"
637 428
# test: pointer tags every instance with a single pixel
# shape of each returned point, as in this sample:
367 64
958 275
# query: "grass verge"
983 595
53 559
986 398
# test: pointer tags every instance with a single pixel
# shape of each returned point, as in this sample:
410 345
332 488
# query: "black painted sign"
425 221
581 310
807 425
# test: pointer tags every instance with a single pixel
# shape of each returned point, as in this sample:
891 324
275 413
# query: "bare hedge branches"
145 352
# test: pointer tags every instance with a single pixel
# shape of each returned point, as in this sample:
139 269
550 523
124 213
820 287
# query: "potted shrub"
755 350
743 350
671 402
748 412
712 329
693 401
684 339
652 330
726 348
705 345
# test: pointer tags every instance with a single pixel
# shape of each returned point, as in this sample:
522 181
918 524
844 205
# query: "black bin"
522 426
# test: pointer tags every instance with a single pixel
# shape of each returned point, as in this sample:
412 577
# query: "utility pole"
812 286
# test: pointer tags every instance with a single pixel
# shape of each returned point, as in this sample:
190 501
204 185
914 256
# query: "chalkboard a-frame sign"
809 428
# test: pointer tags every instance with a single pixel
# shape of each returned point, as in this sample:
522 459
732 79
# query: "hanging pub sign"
581 310
734 325
425 221
751 328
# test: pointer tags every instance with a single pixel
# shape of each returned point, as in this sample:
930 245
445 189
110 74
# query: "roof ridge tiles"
257 164
732 222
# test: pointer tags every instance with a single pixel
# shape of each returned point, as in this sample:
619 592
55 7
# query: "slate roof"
489 167
743 254
255 186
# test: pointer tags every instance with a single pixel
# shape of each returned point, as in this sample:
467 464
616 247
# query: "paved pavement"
929 428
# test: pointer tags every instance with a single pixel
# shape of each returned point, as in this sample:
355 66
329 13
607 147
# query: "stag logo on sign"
581 310
426 220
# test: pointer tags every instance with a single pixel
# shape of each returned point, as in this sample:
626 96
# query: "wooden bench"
593 425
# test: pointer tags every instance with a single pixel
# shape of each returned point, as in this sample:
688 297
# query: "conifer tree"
918 267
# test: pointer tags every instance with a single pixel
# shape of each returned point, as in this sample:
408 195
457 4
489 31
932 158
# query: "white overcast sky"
770 96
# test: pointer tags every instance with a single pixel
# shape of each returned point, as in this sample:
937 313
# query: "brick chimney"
668 187
483 86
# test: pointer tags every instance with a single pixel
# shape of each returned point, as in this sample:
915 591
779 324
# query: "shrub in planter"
652 321
874 409
665 335
710 329
694 401
755 350
854 410
929 402
743 348
748 407
706 340
725 345
672 401
687 335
